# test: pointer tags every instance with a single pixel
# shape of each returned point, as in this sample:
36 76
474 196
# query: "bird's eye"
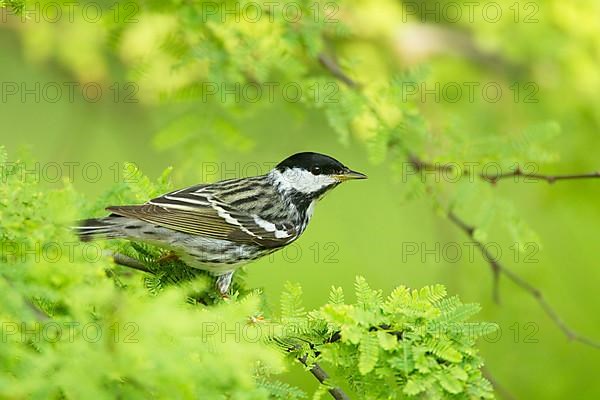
315 170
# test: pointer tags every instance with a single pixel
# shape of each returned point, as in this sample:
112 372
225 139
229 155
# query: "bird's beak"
349 174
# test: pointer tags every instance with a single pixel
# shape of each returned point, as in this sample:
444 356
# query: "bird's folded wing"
205 216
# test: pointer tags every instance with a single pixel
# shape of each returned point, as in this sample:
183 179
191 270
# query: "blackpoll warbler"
220 226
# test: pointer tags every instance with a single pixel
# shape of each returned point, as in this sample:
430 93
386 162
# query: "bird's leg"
223 283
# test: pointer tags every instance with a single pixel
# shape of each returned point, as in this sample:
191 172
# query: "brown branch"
318 371
494 264
322 376
548 178
315 369
421 165
126 261
331 65
498 269
500 389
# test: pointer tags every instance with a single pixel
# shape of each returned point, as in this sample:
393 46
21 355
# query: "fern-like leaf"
369 353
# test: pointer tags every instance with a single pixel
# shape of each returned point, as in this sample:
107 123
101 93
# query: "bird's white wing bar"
271 227
186 200
230 219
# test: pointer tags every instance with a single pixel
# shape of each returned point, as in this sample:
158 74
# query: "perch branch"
498 268
126 261
316 370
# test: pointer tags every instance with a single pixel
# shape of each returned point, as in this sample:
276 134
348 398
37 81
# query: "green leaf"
281 390
433 294
414 387
450 383
386 340
336 295
291 302
365 296
459 313
369 353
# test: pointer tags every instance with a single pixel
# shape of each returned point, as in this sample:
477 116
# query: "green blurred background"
364 227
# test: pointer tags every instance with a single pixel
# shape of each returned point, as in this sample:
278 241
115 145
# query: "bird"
218 227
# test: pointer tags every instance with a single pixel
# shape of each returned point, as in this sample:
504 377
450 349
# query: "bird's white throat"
300 180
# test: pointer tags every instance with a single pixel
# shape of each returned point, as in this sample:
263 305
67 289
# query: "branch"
494 264
320 373
421 165
317 371
498 269
331 65
548 178
126 261
501 390
322 376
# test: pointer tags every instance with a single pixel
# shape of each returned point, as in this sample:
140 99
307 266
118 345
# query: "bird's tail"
94 228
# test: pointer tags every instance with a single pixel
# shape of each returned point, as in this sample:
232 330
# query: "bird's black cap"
319 164
310 161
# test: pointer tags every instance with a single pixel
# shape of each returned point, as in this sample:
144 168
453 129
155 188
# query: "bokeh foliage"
543 53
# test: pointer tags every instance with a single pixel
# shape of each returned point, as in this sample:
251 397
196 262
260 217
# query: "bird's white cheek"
301 180
304 181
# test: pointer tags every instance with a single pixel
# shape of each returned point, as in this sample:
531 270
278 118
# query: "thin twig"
421 165
500 389
322 376
494 264
548 178
331 65
498 269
